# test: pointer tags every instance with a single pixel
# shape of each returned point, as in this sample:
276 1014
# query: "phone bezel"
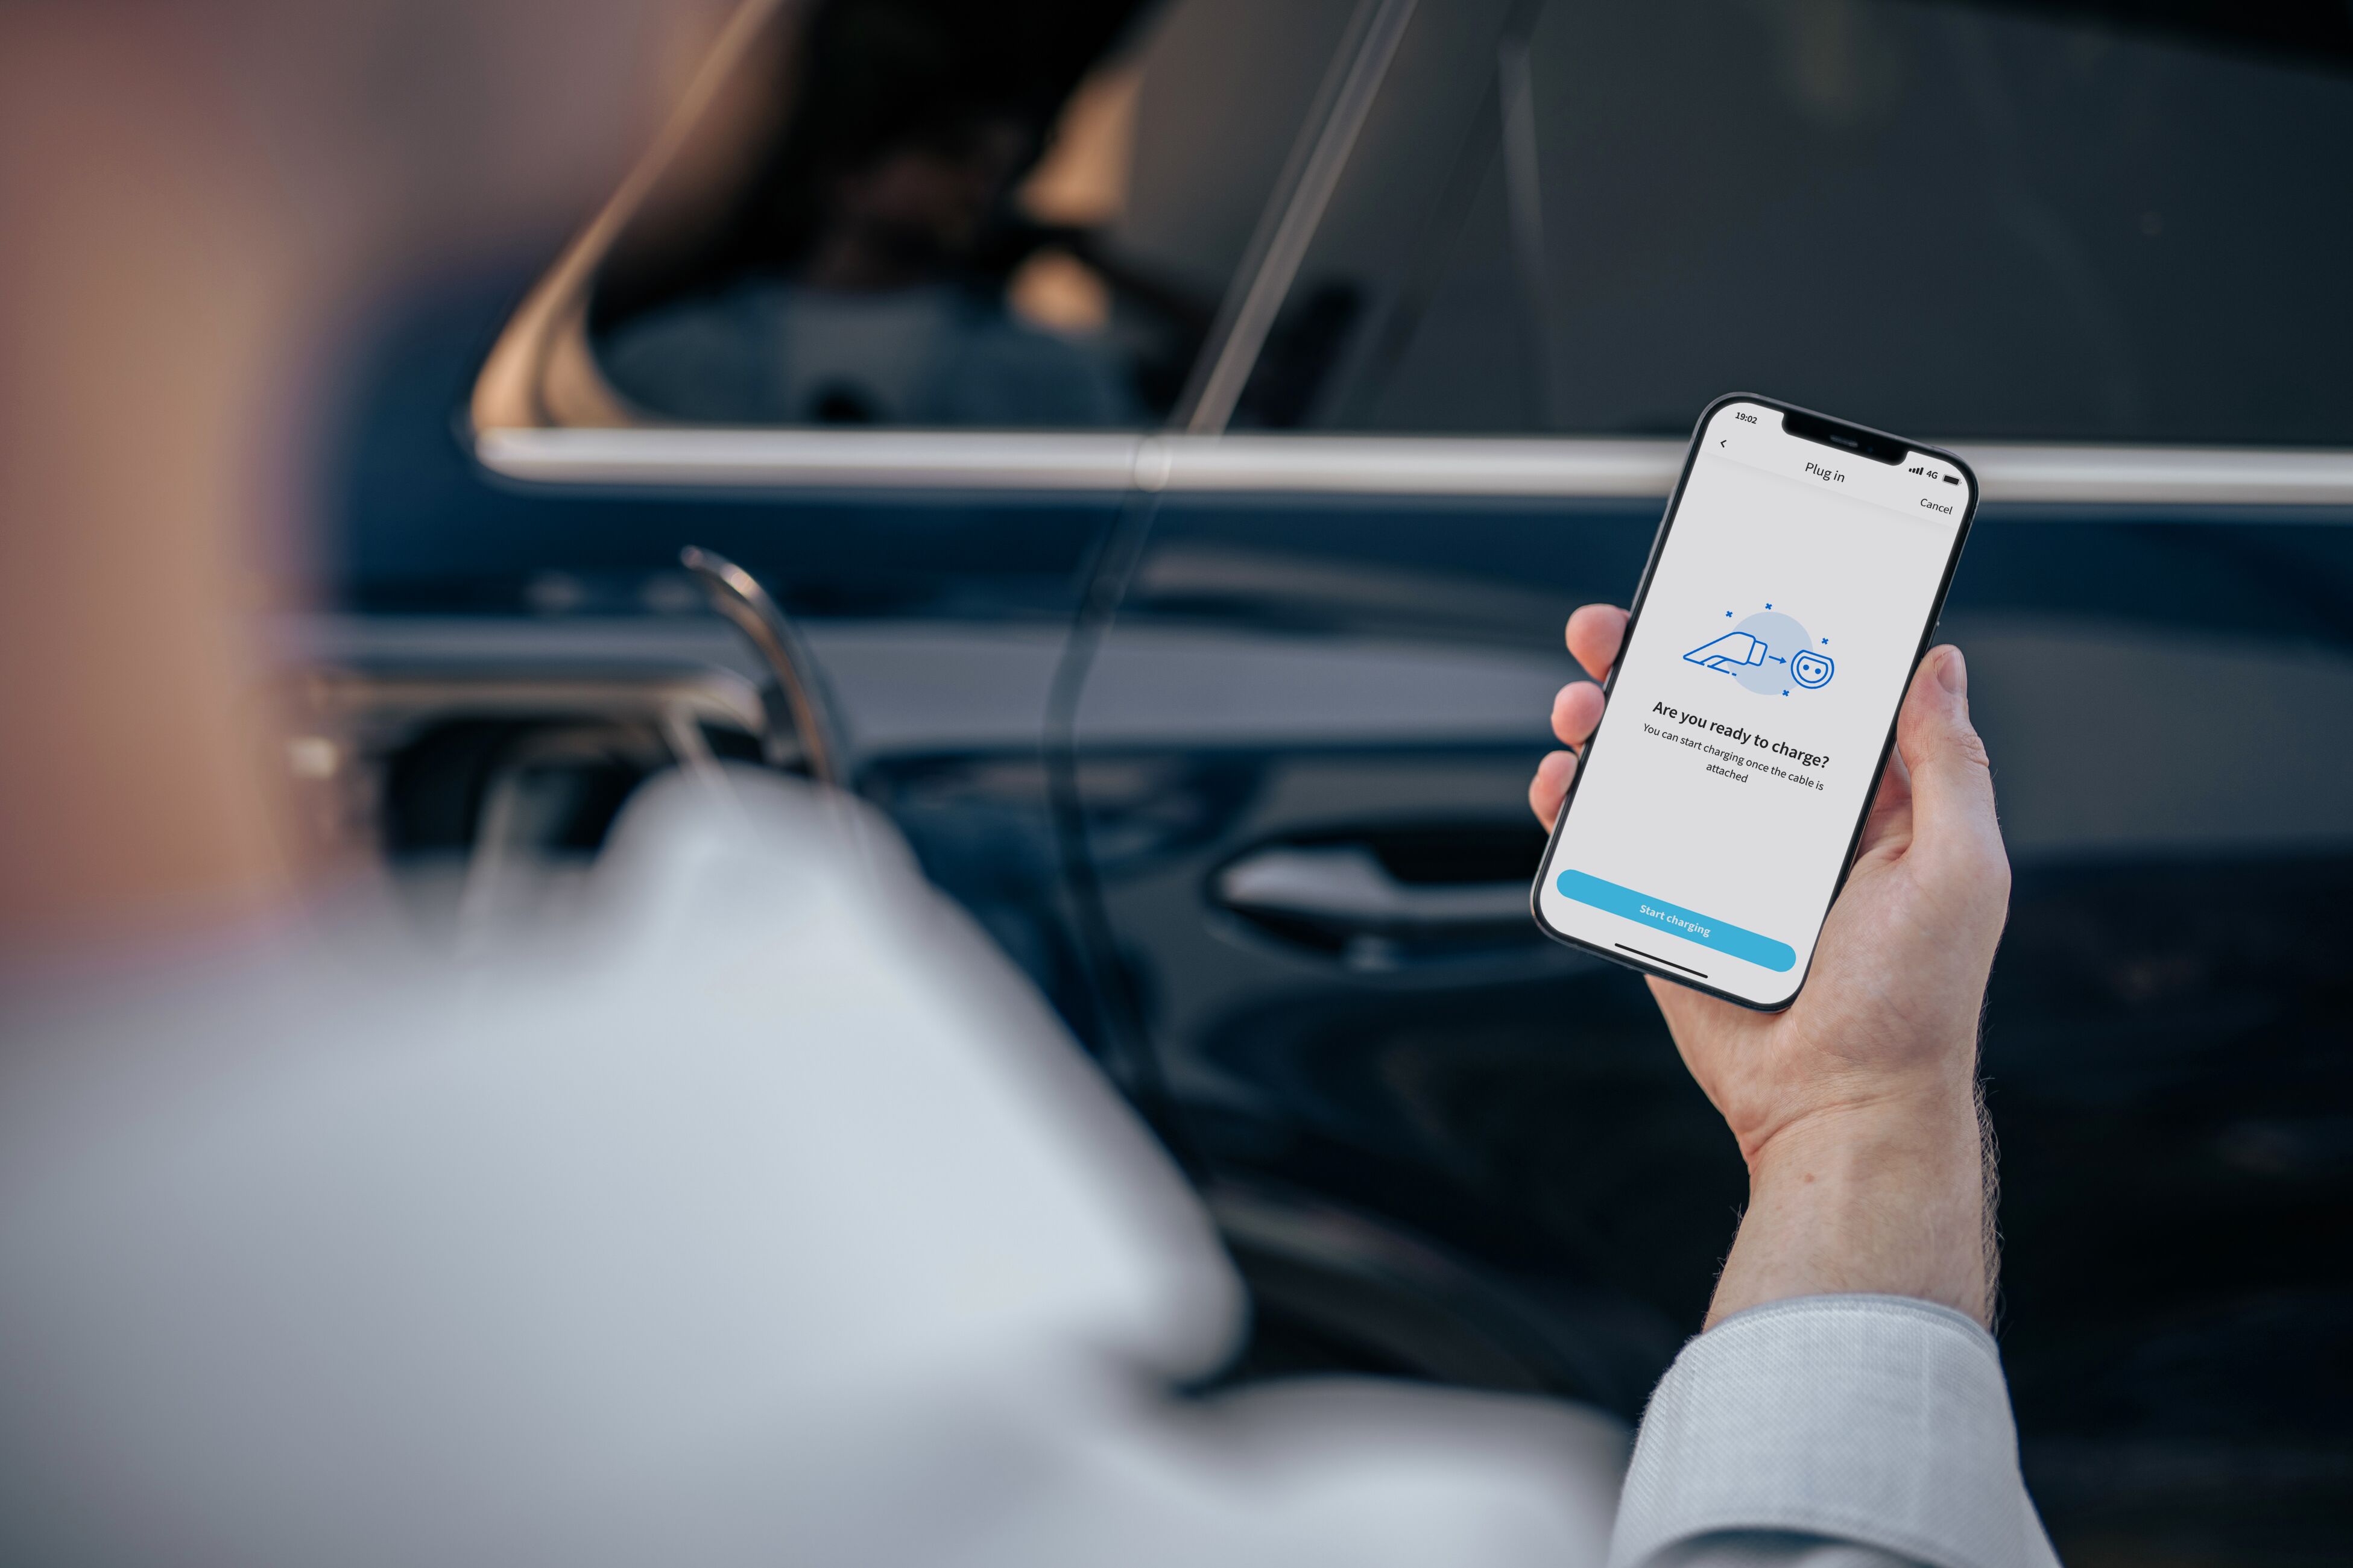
1633 625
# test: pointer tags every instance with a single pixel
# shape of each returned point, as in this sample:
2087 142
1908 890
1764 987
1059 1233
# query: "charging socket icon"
1810 669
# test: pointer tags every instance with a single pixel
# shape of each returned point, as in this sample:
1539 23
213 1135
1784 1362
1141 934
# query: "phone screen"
1789 598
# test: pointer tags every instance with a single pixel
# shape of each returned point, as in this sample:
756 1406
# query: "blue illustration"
1729 652
1769 653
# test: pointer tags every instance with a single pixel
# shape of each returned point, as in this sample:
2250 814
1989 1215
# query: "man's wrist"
1888 1198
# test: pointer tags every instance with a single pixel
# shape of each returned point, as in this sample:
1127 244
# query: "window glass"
992 213
2103 232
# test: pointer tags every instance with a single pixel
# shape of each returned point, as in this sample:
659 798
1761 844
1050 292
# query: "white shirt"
763 1214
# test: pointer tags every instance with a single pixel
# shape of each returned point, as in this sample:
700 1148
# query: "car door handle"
1346 889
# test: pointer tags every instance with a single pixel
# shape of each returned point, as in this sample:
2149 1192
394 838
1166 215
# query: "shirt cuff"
1874 1419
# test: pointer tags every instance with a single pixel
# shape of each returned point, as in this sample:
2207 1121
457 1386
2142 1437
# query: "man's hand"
1856 1107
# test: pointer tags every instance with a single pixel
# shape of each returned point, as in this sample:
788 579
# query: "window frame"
541 412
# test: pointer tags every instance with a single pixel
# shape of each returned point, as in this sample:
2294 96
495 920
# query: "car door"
1540 238
514 642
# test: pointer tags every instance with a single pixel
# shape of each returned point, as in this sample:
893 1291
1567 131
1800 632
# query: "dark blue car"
1180 431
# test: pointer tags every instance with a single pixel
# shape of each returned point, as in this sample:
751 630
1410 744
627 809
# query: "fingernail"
1953 673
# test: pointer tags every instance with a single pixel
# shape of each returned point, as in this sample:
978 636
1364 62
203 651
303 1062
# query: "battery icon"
1952 479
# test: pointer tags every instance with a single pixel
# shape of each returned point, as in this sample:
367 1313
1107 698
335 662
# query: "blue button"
1746 945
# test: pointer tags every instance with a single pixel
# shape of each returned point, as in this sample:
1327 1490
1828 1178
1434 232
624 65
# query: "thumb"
1953 821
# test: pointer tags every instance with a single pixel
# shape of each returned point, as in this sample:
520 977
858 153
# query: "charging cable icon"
1731 652
1746 653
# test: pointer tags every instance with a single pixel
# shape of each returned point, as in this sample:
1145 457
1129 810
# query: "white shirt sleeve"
1826 1423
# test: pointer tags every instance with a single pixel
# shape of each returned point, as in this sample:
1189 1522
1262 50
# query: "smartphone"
1790 593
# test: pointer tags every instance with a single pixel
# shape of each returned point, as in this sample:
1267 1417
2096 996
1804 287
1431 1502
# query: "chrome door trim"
1536 469
812 459
1421 466
347 695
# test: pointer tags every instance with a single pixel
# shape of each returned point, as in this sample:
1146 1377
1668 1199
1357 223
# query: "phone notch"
1846 438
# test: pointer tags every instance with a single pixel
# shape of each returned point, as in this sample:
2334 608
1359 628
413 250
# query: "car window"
972 212
1963 221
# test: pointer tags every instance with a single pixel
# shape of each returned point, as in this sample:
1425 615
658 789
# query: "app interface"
1741 741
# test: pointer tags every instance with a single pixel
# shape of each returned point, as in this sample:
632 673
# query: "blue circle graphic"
1780 632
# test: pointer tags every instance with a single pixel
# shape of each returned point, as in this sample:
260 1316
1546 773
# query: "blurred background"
1180 430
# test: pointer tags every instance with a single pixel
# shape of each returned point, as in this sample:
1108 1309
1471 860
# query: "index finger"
1596 633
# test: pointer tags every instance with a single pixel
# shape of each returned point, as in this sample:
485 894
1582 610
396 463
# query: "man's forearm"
1889 1198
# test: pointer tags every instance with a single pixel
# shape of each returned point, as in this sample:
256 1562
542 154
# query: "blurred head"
909 135
422 122
204 199
922 204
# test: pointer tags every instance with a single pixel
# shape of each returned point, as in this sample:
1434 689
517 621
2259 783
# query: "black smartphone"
1790 595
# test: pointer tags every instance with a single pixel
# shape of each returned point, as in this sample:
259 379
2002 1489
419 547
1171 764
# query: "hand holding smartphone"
1856 1107
1789 595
